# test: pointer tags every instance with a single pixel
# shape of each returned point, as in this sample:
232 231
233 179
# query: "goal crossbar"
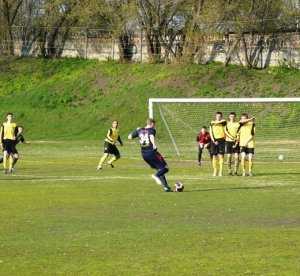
217 100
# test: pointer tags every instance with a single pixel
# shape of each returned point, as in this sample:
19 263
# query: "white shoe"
244 174
156 179
99 168
214 174
220 174
250 174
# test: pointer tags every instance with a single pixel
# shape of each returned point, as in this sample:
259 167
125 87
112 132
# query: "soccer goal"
277 123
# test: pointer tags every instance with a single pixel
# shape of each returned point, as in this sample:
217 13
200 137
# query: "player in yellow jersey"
8 134
232 148
246 138
217 133
110 148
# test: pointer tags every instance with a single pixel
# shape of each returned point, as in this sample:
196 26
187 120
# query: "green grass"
76 99
61 217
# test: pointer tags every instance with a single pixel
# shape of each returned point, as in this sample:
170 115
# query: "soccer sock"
15 160
113 159
10 162
102 160
243 164
250 165
229 161
236 164
5 162
161 172
164 181
221 162
200 155
214 164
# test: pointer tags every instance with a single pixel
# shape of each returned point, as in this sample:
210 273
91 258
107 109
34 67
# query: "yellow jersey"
8 131
113 136
231 130
217 129
246 135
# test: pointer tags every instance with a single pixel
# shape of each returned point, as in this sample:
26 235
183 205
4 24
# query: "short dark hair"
205 127
9 113
232 113
219 113
245 115
150 121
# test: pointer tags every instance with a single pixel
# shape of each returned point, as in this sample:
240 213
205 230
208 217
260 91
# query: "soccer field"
61 217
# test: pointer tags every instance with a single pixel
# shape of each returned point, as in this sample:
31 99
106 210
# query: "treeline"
173 29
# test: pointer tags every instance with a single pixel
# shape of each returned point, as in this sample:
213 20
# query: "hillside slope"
76 99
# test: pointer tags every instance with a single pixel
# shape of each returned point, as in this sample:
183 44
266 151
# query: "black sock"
15 162
164 181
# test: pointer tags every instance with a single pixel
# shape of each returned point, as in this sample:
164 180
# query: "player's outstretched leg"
115 157
161 176
102 160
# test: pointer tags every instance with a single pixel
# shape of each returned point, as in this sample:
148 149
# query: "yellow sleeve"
1 134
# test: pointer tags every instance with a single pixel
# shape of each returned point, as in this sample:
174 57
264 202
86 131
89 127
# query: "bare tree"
9 10
160 21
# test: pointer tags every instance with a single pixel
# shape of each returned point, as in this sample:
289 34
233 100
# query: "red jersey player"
204 141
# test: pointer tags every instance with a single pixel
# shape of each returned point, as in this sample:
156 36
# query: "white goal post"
183 117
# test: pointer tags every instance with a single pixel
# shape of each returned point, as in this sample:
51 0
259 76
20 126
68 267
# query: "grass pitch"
61 217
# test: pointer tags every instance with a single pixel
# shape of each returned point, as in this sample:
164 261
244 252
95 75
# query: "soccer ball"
280 157
179 187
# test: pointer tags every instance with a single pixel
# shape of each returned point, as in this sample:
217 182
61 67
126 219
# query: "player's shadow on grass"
234 188
277 173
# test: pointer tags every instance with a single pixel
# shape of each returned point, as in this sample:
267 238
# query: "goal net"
277 124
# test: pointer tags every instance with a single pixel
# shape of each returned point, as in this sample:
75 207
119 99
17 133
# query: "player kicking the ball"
150 154
246 135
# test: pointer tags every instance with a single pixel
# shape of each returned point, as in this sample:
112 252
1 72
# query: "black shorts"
154 159
230 148
111 149
9 146
218 149
247 150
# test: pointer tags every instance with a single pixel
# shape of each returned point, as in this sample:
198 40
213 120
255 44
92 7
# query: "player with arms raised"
232 147
150 154
217 134
246 135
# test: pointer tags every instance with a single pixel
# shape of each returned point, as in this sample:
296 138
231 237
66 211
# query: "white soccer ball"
280 157
179 187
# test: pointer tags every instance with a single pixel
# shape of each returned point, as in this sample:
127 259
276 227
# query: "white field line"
100 178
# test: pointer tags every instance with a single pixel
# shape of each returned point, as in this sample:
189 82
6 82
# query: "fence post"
141 41
113 48
86 42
